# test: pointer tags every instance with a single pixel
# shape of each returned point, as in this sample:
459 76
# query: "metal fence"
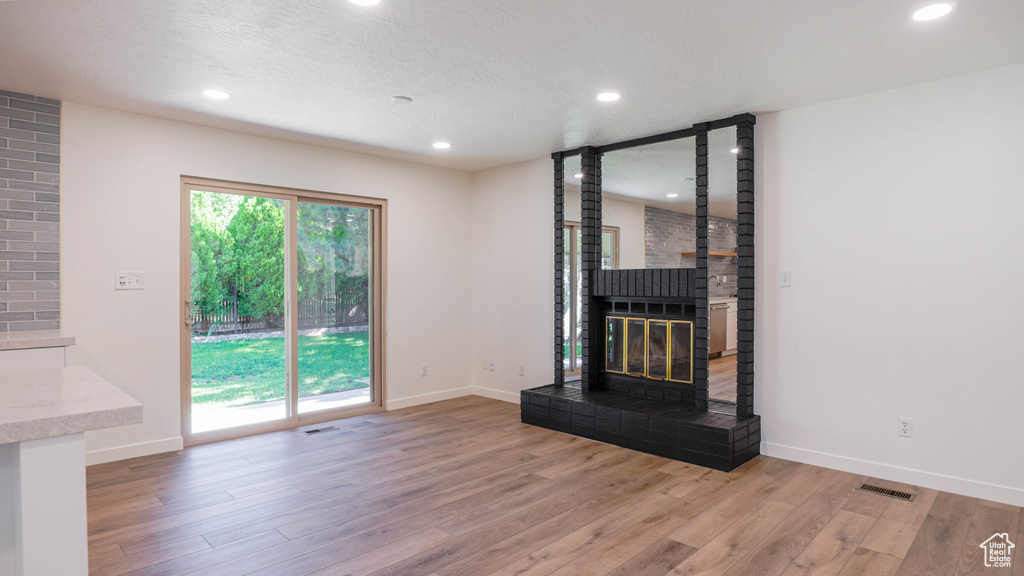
222 317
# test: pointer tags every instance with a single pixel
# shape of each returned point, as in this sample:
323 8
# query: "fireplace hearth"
670 429
643 393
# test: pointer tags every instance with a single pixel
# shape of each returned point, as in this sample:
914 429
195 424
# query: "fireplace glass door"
614 351
636 346
681 353
657 349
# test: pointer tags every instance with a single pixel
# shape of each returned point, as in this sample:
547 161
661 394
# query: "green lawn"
242 372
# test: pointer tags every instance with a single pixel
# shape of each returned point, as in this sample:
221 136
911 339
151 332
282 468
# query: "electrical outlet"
725 279
906 427
423 370
785 279
522 370
490 365
128 281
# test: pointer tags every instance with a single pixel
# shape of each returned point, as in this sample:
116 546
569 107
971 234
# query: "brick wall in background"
29 212
669 234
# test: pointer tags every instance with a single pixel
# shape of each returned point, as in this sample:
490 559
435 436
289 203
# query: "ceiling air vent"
887 492
319 430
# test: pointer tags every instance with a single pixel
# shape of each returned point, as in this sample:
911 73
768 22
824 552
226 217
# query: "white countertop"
59 401
35 339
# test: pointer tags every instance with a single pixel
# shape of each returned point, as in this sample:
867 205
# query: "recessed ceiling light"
216 94
735 150
580 175
442 145
673 195
365 2
401 99
609 96
933 11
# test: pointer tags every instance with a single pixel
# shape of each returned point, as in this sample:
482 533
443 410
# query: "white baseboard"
171 444
964 486
105 455
133 451
493 394
409 401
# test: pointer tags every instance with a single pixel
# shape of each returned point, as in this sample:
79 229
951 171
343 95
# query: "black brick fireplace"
645 333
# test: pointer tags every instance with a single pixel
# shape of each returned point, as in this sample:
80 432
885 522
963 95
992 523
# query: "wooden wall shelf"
713 253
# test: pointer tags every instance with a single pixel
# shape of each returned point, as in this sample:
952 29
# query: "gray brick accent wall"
29 212
669 234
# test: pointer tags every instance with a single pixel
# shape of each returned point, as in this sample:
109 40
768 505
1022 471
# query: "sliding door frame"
570 227
377 325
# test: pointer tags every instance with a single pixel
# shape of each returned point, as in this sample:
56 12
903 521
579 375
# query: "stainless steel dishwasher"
719 320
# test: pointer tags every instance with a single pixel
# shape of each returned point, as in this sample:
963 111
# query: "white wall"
898 214
120 203
513 279
513 272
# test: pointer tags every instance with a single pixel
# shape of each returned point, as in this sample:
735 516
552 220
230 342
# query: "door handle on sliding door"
190 309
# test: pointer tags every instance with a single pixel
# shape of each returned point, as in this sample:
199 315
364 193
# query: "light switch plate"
128 281
785 279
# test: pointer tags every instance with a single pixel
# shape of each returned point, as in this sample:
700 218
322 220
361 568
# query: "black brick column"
591 263
559 269
745 273
701 327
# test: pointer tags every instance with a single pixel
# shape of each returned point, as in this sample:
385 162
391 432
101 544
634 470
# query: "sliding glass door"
237 310
335 256
282 308
572 282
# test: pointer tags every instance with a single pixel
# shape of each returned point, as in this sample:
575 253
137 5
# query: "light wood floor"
722 378
461 487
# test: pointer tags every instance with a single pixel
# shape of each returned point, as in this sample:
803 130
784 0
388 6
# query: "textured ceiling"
503 80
